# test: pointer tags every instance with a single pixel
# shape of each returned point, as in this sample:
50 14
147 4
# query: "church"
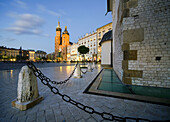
61 43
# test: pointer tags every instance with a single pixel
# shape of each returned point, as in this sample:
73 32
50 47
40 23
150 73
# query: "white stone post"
27 92
89 68
77 72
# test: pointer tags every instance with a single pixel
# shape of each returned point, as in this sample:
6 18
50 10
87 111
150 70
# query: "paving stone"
91 120
31 117
22 119
97 117
81 120
54 109
49 115
41 119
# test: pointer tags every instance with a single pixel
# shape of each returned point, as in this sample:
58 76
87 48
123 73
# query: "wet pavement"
54 109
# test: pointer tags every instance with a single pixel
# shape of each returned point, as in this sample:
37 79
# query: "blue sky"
32 23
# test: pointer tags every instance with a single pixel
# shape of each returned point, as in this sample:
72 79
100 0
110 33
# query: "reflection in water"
57 73
4 74
60 68
11 74
68 69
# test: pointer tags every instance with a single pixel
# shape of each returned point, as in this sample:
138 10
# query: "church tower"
65 43
57 39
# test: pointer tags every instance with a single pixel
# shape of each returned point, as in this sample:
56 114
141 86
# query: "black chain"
83 71
66 98
38 73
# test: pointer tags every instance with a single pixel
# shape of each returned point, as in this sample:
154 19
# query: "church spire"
65 31
58 27
58 24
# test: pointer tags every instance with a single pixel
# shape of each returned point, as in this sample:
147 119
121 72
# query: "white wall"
106 50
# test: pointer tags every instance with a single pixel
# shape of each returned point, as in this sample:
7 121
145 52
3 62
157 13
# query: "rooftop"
106 37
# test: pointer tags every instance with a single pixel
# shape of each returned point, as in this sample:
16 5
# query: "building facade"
100 32
61 43
141 47
106 45
31 55
12 54
8 53
40 55
72 52
90 41
51 56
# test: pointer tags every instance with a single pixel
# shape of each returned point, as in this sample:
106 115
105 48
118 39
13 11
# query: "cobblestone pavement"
54 109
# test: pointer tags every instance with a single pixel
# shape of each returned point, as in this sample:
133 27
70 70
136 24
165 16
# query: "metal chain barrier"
83 71
107 116
38 73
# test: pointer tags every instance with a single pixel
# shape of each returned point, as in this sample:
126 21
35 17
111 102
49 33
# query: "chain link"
45 79
107 116
83 71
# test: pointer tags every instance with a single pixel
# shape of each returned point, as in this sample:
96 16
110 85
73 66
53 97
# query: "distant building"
72 52
61 43
8 54
31 55
100 32
40 55
90 41
51 56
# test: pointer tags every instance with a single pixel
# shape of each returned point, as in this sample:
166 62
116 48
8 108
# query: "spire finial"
58 24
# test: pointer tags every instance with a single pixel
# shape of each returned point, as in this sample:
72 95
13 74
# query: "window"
103 32
99 34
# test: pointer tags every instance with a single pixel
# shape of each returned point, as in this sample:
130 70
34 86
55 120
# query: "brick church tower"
57 39
61 43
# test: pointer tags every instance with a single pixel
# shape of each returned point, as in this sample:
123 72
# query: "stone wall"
142 42
106 49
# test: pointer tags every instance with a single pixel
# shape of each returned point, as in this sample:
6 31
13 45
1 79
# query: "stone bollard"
94 65
77 72
89 68
27 92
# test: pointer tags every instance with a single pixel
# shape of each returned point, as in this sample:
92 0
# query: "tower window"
99 34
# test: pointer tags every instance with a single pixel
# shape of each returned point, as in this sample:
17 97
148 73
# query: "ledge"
26 105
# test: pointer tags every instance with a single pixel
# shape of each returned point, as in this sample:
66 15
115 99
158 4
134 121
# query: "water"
16 65
9 73
110 82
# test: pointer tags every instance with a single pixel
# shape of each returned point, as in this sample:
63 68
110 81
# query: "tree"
83 50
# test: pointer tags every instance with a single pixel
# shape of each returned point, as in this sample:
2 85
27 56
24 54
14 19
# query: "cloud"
20 4
29 21
46 35
8 39
42 8
20 31
26 24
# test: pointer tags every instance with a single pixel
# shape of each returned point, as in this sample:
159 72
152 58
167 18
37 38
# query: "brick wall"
142 42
